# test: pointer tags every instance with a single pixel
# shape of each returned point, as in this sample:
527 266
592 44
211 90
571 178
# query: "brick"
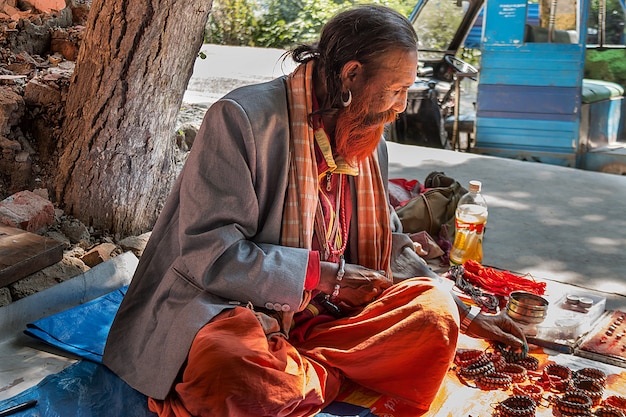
99 254
27 211
48 6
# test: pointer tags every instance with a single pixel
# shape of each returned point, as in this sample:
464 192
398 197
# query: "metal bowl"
527 307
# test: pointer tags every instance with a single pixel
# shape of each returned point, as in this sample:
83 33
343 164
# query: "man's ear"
351 72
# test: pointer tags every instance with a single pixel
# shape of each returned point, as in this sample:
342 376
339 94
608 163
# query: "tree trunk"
116 163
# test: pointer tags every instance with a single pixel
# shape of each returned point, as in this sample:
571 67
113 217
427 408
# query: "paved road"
228 67
562 224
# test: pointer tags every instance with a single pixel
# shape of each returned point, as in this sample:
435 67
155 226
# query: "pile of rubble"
83 248
38 45
39 42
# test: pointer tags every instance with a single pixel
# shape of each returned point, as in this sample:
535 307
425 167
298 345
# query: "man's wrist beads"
472 313
340 273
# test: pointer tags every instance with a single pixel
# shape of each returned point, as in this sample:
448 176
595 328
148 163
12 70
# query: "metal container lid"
527 307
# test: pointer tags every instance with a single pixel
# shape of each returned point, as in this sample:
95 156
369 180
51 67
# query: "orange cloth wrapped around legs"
400 345
234 369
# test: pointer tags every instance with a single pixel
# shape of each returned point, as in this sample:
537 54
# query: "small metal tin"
527 307
585 302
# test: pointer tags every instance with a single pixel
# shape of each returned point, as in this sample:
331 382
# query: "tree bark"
116 164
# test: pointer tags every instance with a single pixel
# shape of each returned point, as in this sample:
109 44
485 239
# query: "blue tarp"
84 389
88 388
81 330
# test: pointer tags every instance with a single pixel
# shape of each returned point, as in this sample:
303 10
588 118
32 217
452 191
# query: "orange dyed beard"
358 131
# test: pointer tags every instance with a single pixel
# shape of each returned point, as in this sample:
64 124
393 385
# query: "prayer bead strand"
465 358
494 381
591 389
516 406
509 354
615 401
608 412
517 372
477 369
529 362
593 374
557 376
498 361
573 405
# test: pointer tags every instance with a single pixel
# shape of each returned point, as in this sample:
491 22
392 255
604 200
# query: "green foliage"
232 22
289 22
470 55
278 23
608 65
438 23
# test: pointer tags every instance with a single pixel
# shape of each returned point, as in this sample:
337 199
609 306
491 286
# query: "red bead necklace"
338 226
342 227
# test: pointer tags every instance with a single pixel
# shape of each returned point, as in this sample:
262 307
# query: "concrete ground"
555 223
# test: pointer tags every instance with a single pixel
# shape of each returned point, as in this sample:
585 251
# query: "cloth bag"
434 208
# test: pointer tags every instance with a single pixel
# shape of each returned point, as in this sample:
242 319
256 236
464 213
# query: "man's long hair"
364 33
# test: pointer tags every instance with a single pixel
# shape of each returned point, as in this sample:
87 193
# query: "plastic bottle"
471 218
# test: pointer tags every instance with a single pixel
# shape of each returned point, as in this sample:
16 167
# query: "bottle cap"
475 186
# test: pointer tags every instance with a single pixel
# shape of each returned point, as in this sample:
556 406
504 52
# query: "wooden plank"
23 253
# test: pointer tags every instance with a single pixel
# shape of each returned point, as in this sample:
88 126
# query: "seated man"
273 274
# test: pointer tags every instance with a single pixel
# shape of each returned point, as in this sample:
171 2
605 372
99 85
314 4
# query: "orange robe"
401 345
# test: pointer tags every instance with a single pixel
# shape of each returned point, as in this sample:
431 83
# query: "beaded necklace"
333 238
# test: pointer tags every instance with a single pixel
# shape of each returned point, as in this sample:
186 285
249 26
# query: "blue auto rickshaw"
534 99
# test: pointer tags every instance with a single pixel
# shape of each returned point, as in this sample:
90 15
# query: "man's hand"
498 327
358 287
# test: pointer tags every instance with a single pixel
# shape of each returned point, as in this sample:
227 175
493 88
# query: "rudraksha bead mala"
570 404
516 406
608 412
529 362
615 401
509 354
476 369
498 360
593 374
493 381
557 376
591 389
465 358
517 372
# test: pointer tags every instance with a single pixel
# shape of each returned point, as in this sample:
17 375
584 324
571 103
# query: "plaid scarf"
374 231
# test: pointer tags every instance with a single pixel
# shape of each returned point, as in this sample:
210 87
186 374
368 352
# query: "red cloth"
400 345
